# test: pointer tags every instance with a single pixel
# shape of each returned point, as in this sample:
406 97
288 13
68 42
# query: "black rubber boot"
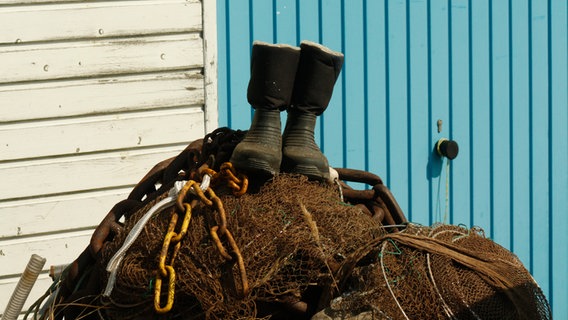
317 73
273 70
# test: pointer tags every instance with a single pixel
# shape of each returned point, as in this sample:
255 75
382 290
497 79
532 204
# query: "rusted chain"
172 240
358 176
387 197
238 183
219 144
110 225
378 201
227 173
167 270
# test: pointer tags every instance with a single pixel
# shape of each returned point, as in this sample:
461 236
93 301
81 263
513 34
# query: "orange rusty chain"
378 202
238 183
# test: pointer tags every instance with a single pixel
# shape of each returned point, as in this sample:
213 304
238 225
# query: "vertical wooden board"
460 201
397 105
540 144
54 22
240 45
332 134
223 60
520 134
419 147
439 101
480 114
210 67
375 88
262 21
559 156
354 112
52 214
500 130
286 22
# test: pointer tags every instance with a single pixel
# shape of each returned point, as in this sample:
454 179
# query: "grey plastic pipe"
23 288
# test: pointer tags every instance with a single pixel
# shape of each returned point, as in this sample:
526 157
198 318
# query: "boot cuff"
274 45
319 47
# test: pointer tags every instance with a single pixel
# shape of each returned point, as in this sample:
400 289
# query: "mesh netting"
444 272
301 244
293 236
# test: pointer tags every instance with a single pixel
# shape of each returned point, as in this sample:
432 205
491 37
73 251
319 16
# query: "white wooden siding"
92 95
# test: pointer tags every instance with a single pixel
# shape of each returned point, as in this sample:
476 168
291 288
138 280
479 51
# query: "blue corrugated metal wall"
493 71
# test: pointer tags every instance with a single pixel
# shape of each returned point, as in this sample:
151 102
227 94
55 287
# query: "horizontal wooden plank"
8 285
52 2
97 96
83 20
99 133
37 178
98 58
61 248
64 212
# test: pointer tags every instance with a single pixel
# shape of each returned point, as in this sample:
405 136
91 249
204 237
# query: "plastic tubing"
23 288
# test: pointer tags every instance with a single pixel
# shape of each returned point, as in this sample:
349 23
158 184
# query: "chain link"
168 271
227 173
238 183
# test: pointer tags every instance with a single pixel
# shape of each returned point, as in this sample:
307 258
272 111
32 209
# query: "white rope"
115 261
387 281
334 178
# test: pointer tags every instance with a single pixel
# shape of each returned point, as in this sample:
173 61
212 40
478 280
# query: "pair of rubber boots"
300 81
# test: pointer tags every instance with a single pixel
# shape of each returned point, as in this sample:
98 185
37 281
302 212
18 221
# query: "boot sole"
312 172
255 166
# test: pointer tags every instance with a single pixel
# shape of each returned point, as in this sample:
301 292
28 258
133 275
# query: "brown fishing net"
443 272
302 246
304 249
293 235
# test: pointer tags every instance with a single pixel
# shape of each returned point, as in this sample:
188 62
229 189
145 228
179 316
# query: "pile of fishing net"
293 237
288 248
439 272
305 250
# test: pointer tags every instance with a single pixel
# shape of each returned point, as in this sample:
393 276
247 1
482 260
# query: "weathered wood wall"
92 95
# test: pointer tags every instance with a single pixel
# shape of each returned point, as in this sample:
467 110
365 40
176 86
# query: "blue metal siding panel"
493 71
520 133
418 119
397 103
286 22
439 105
539 143
459 124
354 89
480 112
261 15
558 51
375 88
500 123
332 133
